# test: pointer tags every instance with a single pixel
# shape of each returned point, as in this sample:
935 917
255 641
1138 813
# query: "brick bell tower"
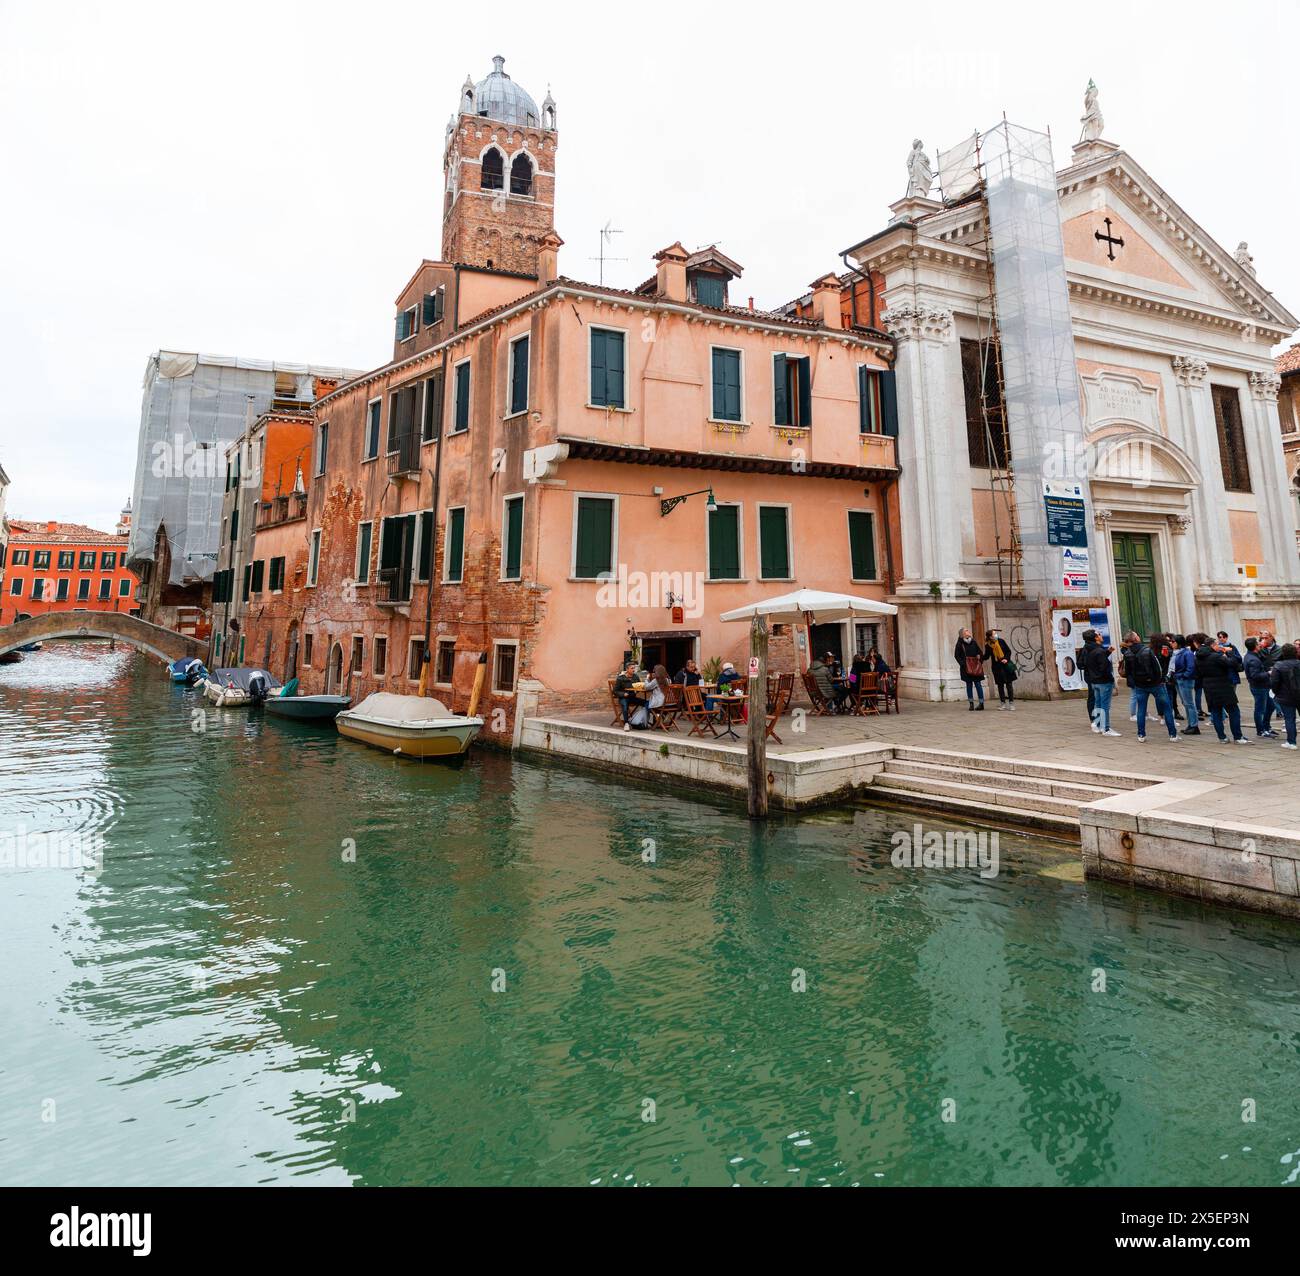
499 172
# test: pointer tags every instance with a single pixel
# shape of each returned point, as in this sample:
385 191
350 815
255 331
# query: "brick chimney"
826 301
672 272
548 258
52 527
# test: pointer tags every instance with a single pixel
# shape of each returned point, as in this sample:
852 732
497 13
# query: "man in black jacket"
1147 678
1099 674
1217 665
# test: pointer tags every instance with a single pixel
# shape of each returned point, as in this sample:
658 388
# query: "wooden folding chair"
866 694
700 718
776 709
664 718
618 708
889 691
821 706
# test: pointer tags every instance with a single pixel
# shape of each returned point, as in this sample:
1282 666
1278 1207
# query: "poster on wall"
1075 576
1067 522
1067 638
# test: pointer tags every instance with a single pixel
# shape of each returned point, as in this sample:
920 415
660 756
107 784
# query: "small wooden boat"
412 726
11 657
236 688
307 708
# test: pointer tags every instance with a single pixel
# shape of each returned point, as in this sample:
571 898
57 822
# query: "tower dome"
498 97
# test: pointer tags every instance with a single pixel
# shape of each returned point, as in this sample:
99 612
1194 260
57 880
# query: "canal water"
302 961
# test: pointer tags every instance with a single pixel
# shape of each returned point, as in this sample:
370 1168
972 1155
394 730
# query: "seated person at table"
878 662
728 676
822 670
861 664
688 677
629 700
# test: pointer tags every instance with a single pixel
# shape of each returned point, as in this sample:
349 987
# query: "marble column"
1212 542
1184 574
1269 480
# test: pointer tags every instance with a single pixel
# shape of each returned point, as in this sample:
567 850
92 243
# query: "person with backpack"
1147 678
1099 674
1129 639
1284 679
970 661
1257 679
1217 664
1183 672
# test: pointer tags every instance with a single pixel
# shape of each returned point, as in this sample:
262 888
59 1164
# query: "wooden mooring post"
757 738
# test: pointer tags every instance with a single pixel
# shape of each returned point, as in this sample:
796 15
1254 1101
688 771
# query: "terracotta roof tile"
1288 360
64 533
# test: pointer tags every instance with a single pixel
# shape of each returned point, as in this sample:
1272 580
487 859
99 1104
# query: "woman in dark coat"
965 649
1284 678
1216 666
998 655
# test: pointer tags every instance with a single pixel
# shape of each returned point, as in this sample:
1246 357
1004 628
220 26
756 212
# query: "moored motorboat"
307 708
188 669
31 646
11 657
234 688
412 726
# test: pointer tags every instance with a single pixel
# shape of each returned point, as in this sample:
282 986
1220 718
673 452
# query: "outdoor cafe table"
732 704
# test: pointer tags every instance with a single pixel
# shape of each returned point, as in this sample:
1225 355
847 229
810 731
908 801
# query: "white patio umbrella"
810 607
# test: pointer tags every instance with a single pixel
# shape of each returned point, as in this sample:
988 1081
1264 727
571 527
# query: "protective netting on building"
1040 384
195 406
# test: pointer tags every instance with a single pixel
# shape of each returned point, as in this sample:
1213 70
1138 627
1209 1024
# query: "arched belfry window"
521 176
492 170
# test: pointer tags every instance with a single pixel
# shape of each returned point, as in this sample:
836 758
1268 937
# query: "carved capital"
907 322
1100 517
1265 385
1179 523
1190 369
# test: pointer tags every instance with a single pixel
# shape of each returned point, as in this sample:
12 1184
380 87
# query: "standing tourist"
1284 678
1257 679
970 663
1218 665
1099 674
1146 676
998 654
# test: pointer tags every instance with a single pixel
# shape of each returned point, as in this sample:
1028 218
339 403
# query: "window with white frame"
774 542
517 398
380 665
505 658
595 535
361 573
313 561
608 364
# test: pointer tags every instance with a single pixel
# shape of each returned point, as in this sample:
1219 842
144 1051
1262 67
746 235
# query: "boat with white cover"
412 726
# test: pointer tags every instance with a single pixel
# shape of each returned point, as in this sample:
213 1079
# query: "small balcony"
404 461
282 509
394 587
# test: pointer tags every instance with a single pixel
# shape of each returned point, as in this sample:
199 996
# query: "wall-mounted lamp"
667 506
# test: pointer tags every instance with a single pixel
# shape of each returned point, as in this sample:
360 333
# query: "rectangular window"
519 375
124 588
424 558
38 589
407 323
504 658
277 575
322 449
774 542
381 657
432 428
710 290
65 560
397 555
862 545
306 649
62 592
374 409
83 590
431 307
791 390
16 586
401 416
248 581
608 382
724 542
259 573
414 658
313 559
593 540
234 525
21 557
1232 438
42 558
364 533
868 400
446 665
454 566
512 537
726 385
105 587
87 560
460 419
358 654
986 441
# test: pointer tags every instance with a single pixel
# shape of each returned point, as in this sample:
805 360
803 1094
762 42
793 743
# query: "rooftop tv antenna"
607 233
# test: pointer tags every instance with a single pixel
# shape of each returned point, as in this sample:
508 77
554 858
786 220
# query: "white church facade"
1192 523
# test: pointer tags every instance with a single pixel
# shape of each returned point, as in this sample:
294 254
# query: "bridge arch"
166 644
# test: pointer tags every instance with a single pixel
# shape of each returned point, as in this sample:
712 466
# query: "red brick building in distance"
57 566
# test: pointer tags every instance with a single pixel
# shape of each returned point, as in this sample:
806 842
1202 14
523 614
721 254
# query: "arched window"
492 170
521 175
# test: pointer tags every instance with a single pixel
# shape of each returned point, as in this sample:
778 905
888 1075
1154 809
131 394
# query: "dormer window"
711 290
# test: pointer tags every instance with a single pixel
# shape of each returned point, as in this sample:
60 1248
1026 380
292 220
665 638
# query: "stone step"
1022 783
1063 826
985 794
1119 780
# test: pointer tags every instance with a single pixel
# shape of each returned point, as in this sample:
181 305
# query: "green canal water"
235 999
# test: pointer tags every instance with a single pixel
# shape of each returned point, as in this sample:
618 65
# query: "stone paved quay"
1261 781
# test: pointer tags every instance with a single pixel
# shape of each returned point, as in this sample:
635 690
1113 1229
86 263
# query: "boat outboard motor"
259 687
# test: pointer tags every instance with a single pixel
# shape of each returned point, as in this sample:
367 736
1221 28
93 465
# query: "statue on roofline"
1092 120
920 176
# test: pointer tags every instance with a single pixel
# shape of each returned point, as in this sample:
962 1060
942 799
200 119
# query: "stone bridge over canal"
166 644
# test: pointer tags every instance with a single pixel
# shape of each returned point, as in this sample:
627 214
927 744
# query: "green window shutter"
430 309
456 545
514 537
780 399
889 403
595 539
862 545
519 375
401 325
724 543
462 397
390 544
432 408
248 578
234 525
773 544
426 544
709 291
615 348
365 531
805 391
259 572
864 401
598 381
726 385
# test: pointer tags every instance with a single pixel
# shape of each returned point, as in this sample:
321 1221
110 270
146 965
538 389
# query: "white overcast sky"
260 179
